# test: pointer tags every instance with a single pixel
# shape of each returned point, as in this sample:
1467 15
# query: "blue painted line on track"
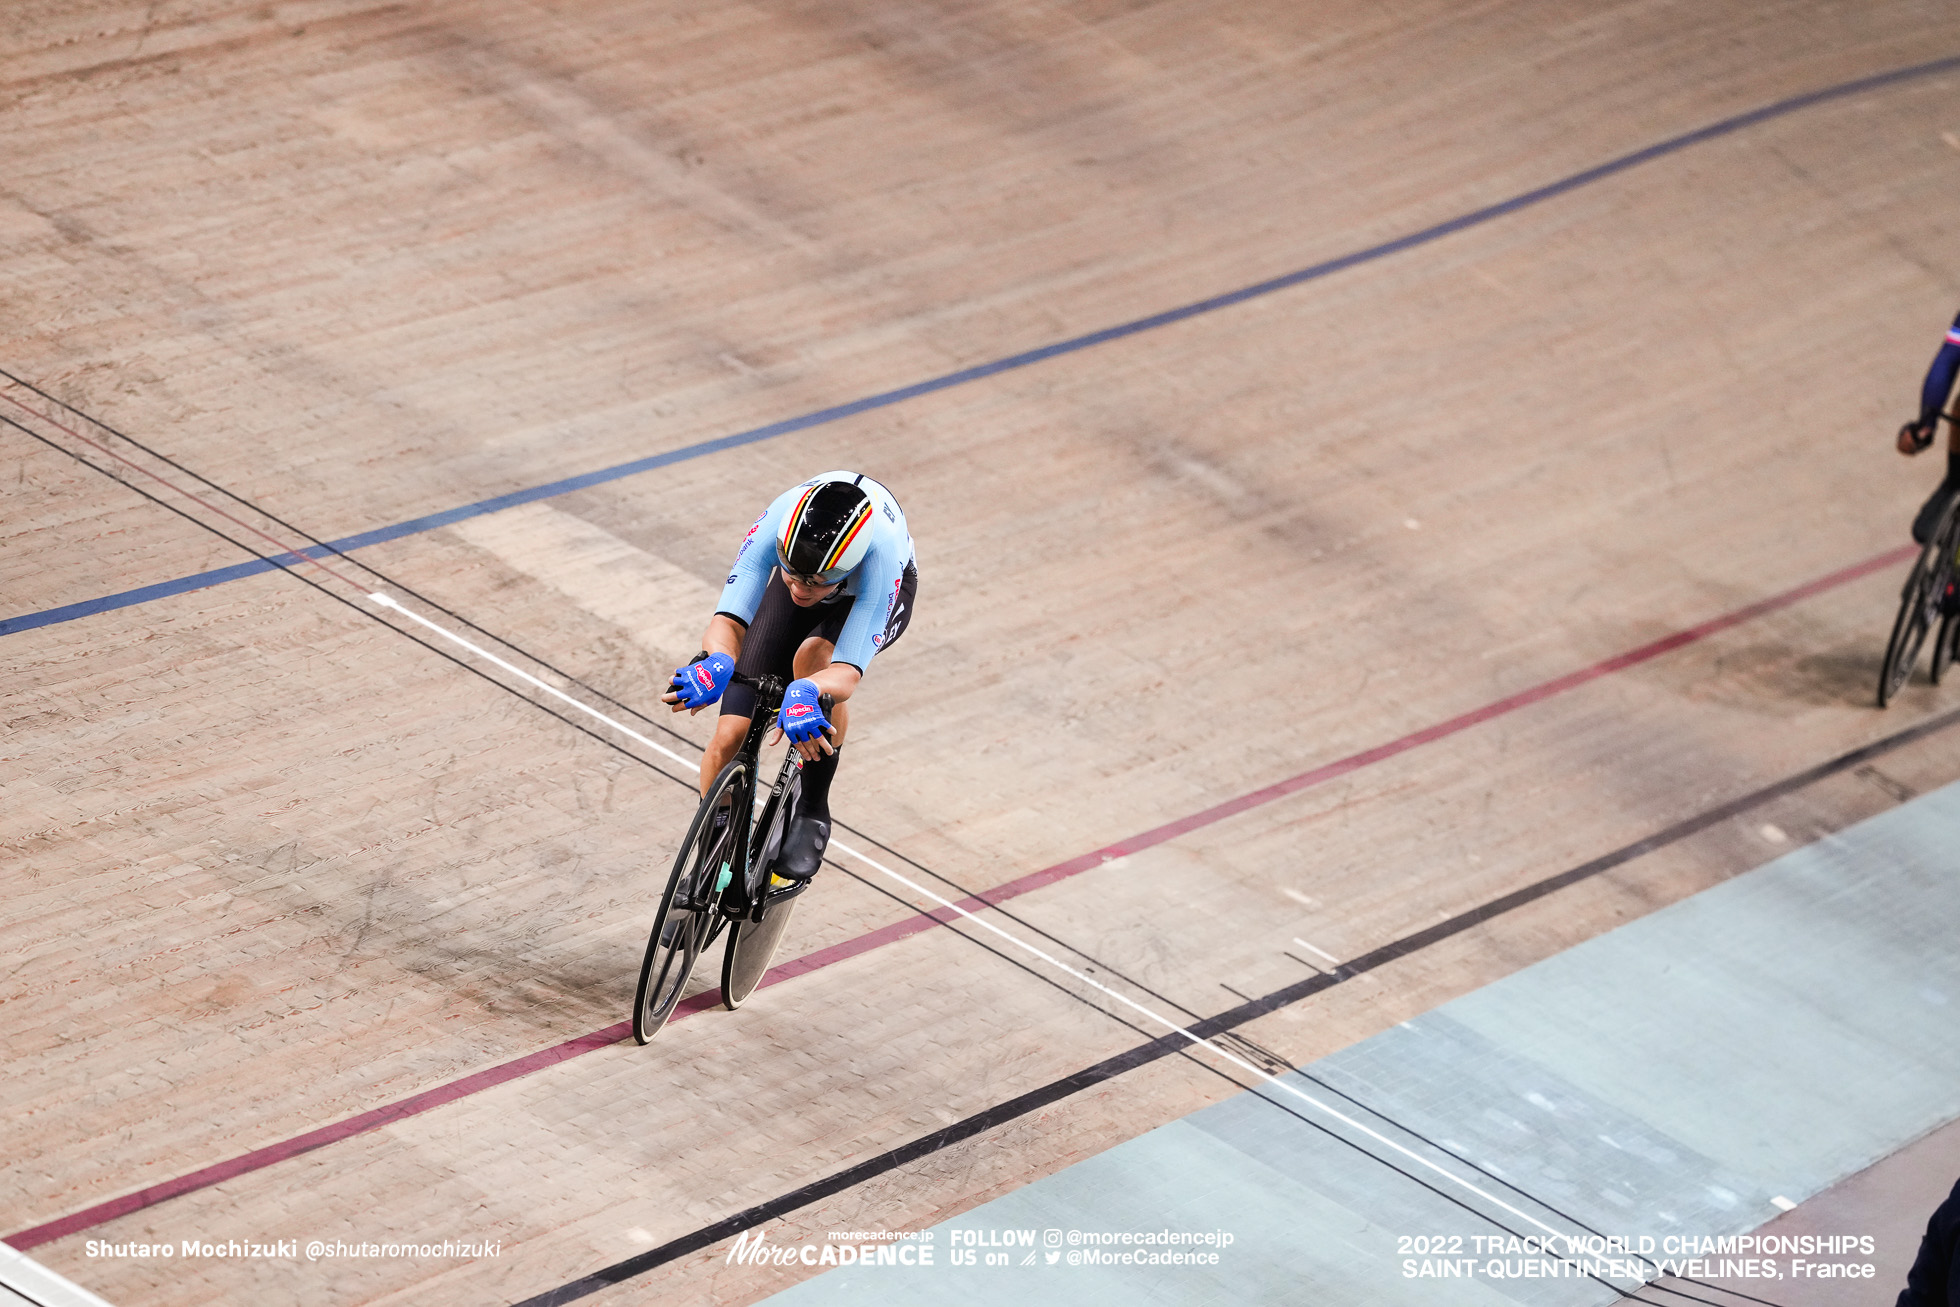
885 399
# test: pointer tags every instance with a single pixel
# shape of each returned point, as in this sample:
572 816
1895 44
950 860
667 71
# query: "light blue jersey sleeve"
749 575
881 573
874 582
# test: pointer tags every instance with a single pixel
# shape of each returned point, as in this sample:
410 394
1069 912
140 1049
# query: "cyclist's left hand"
801 719
1915 436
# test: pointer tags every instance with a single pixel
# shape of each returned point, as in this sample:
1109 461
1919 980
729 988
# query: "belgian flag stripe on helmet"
859 522
793 521
825 530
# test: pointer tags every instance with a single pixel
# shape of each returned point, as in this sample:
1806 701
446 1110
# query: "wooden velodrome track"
273 866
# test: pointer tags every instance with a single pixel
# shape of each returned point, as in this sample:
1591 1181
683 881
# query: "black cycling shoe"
803 846
1929 512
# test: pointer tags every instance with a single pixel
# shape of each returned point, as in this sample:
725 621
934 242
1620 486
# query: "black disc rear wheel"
689 908
751 943
751 948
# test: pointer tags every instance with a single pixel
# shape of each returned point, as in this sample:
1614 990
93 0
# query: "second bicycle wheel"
751 948
688 909
1944 647
752 944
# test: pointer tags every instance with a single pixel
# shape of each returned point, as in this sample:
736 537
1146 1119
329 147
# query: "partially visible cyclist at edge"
1917 435
823 582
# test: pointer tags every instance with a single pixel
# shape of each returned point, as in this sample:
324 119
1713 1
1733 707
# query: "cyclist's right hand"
701 682
1916 436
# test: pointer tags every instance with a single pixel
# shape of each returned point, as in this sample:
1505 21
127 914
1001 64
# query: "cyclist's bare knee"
812 656
729 730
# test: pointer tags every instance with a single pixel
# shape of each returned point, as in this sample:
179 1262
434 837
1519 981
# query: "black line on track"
1658 1287
1164 1045
31 1301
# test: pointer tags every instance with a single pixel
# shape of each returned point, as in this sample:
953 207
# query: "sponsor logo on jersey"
1953 335
893 610
748 540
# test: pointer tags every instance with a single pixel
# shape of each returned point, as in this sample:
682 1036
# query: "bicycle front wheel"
1919 604
1908 634
688 909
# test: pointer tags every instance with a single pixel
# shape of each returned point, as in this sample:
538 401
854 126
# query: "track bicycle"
723 879
1920 603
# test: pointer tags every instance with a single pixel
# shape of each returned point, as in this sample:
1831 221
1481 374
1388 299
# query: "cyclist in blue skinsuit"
1917 434
823 582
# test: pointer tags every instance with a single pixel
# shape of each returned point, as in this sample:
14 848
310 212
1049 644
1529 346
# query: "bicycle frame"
721 878
740 893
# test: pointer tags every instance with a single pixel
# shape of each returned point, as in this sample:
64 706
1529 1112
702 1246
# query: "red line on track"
477 1082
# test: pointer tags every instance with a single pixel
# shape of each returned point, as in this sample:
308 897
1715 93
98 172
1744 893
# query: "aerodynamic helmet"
827 532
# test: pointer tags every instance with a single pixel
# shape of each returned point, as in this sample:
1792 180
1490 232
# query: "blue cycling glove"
801 717
701 682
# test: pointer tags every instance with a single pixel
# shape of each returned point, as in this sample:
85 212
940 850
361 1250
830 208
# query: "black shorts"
780 628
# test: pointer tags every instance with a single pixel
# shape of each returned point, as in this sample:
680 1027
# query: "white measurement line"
1311 949
31 1282
386 601
389 601
1215 1050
